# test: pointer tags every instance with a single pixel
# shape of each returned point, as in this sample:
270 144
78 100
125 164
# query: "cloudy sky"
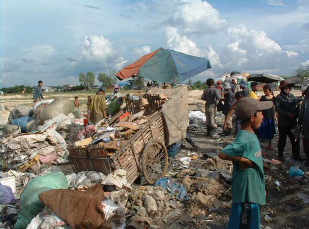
56 40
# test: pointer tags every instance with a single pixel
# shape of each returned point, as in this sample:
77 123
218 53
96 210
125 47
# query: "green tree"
189 82
90 79
139 82
82 79
303 71
108 80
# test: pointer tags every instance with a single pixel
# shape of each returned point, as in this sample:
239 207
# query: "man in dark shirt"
244 88
287 110
211 95
37 94
229 101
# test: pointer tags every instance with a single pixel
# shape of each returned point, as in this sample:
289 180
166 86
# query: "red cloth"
132 69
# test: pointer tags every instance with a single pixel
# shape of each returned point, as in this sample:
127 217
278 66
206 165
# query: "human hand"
245 163
225 126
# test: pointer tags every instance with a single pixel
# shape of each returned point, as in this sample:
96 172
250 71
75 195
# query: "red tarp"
132 69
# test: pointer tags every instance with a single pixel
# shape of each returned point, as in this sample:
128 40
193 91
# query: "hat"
116 86
284 83
227 85
102 89
249 106
243 83
219 82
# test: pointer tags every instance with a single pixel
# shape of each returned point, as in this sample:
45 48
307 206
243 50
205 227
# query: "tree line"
106 79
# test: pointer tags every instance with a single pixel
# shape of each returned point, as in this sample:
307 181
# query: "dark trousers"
285 131
306 150
189 139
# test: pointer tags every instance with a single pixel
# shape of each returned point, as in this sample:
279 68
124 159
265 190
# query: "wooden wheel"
154 161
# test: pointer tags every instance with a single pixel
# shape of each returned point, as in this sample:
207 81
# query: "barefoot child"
248 184
268 128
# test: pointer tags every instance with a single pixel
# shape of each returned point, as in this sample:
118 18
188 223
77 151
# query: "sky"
54 41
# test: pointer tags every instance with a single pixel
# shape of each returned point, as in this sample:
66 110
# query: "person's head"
89 97
249 111
239 95
285 87
243 84
40 83
210 82
101 91
116 88
227 86
76 98
218 82
233 81
267 90
255 86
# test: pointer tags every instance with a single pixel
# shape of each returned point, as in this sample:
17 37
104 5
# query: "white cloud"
139 52
99 50
39 52
275 2
305 63
306 26
213 57
291 53
7 65
181 44
197 17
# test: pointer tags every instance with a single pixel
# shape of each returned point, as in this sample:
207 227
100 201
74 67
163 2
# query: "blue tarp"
22 122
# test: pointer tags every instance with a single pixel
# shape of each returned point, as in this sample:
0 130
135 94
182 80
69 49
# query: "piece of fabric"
269 113
244 216
98 105
6 194
248 185
304 118
211 116
22 123
229 101
37 94
284 107
253 95
81 210
211 95
245 92
285 131
267 129
132 69
229 122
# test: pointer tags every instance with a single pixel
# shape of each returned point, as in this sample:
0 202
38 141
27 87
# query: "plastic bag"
174 188
295 172
22 122
29 201
20 111
6 194
220 106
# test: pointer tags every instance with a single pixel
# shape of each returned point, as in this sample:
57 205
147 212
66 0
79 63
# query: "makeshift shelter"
264 78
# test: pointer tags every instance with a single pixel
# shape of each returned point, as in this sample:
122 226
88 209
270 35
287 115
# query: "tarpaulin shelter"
264 78
165 65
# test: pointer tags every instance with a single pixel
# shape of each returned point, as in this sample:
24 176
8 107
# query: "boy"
76 102
248 185
255 87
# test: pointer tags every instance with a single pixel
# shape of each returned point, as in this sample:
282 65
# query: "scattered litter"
303 197
295 172
174 188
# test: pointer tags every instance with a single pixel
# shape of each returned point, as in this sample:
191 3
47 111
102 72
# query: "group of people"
255 119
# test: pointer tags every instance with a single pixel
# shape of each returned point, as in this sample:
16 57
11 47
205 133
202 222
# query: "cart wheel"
154 161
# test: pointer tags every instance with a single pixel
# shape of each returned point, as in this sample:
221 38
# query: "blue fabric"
22 122
189 66
267 130
174 188
174 149
238 212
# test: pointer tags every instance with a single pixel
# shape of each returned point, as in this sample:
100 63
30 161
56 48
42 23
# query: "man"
37 94
219 86
255 87
229 101
211 95
116 93
233 86
244 88
303 123
98 107
287 110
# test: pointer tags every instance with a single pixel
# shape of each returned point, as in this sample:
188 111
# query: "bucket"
85 121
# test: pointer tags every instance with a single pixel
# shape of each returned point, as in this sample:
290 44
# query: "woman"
268 128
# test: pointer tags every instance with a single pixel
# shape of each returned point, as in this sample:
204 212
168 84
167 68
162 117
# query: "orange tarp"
132 69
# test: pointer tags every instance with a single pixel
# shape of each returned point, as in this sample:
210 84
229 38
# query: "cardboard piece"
84 142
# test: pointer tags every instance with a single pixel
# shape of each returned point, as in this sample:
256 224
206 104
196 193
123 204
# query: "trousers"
210 113
285 131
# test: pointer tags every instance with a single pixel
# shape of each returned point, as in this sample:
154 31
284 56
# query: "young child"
76 103
268 127
238 96
255 87
248 184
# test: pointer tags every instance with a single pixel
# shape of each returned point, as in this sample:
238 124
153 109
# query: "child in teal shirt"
248 185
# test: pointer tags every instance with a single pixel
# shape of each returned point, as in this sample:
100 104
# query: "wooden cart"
145 153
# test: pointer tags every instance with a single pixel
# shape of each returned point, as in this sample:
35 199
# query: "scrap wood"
129 125
29 164
110 145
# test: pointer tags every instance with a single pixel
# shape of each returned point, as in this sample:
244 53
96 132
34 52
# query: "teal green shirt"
248 185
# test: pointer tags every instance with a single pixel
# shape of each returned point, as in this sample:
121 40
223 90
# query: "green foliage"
198 85
139 82
108 80
82 79
126 88
87 80
303 71
190 82
78 88
17 89
155 83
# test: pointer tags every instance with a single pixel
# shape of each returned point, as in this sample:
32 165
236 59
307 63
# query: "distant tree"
90 79
17 89
155 83
189 82
139 82
303 71
108 80
82 79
